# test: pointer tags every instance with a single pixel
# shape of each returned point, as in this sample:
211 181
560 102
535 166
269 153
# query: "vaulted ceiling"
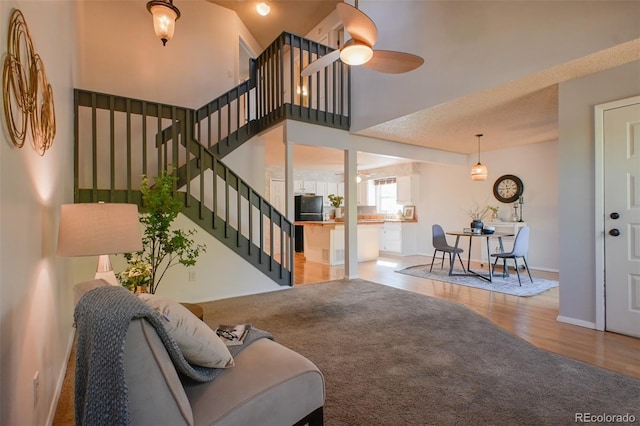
518 113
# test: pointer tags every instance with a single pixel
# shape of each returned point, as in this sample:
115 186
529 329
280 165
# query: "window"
386 195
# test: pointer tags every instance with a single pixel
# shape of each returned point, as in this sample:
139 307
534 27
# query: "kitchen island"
324 241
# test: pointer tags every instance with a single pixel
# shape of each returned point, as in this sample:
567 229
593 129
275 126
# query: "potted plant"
336 201
494 212
162 247
137 275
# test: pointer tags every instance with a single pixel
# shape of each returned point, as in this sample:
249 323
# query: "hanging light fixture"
165 15
356 53
263 8
479 171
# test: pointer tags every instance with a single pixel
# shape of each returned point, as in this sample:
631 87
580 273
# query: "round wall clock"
508 188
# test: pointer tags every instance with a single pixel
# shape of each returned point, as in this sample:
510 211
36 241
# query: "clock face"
508 188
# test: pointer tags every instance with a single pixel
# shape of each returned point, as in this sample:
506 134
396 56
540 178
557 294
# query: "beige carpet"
392 357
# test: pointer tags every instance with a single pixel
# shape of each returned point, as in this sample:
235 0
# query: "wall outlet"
192 276
36 387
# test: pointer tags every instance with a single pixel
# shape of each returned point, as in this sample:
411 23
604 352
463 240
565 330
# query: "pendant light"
165 15
479 171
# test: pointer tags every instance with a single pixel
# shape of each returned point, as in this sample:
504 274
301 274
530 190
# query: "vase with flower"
477 213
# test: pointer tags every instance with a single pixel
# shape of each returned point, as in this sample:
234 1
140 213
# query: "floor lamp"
99 229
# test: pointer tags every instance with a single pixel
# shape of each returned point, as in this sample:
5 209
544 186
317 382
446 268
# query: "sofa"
265 384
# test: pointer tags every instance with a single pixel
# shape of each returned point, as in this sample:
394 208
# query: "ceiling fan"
359 50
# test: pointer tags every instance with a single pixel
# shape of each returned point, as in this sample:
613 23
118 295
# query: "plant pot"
142 289
339 213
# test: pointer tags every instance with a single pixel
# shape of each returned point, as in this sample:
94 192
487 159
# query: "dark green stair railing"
118 140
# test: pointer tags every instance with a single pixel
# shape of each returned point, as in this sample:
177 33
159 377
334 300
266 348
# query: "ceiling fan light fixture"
479 171
356 54
165 15
263 8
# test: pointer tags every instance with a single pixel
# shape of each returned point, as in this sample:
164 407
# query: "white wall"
35 285
448 190
466 45
120 53
576 183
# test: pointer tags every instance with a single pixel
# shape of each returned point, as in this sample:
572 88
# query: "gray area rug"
508 285
392 357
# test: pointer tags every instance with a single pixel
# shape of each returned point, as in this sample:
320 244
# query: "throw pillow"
199 344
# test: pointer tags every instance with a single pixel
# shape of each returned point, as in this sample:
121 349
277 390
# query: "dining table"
486 236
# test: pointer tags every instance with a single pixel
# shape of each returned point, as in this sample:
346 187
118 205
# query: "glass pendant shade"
479 172
165 15
356 54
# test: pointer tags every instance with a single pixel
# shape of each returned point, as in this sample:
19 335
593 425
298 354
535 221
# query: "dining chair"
440 244
520 249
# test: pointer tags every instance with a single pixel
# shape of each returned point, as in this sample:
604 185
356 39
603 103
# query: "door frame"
600 234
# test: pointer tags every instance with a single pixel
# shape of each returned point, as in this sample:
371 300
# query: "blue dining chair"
520 249
440 244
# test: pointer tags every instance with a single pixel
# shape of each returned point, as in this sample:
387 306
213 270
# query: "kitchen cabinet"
399 237
332 188
310 186
408 189
341 189
321 189
363 196
304 187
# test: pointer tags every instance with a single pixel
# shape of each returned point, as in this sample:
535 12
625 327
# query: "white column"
351 214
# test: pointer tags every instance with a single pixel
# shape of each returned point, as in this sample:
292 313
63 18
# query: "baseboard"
63 372
575 321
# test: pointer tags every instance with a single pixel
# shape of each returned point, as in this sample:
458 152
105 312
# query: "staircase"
119 139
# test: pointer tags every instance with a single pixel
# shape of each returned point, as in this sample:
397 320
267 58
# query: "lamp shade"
479 172
165 15
94 229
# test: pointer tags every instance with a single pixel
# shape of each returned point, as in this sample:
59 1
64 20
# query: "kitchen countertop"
334 223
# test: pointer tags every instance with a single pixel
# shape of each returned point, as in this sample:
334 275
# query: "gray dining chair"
440 244
520 249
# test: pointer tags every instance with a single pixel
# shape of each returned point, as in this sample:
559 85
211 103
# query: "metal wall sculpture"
27 95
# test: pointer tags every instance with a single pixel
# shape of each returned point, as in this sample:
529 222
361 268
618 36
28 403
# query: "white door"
621 130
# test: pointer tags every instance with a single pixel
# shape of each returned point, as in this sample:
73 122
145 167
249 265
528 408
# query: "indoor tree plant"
162 247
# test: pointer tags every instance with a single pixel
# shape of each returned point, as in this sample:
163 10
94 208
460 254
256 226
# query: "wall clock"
508 188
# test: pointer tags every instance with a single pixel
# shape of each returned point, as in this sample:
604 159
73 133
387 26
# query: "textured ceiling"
519 113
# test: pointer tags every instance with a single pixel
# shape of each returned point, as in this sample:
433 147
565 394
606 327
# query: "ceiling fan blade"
320 63
392 62
357 23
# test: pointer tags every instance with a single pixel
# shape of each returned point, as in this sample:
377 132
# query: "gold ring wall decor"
27 95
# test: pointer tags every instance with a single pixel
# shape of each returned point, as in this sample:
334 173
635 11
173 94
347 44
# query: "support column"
351 214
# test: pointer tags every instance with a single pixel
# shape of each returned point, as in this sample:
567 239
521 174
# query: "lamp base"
105 271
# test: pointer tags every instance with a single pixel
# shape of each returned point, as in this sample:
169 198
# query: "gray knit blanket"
102 318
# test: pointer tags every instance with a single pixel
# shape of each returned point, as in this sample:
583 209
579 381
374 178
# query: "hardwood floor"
531 318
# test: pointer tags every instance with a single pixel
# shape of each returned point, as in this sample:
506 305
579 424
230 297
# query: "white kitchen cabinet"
332 188
399 238
298 187
407 189
321 189
341 189
363 196
310 186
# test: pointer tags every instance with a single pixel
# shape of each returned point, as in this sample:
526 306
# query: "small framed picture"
409 212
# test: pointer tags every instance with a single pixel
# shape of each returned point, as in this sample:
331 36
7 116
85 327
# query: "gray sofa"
269 384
